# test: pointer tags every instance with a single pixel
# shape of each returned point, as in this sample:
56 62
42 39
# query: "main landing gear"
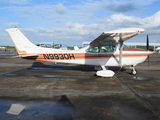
104 72
133 71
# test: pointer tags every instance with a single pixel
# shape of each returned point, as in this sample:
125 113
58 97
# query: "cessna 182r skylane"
106 50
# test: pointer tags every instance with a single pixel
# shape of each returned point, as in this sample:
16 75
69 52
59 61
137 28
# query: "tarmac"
50 91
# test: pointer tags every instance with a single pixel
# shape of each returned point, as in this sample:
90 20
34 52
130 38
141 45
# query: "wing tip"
126 30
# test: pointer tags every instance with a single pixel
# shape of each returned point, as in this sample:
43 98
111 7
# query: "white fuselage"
132 56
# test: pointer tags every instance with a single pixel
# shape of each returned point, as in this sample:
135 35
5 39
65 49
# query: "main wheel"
134 72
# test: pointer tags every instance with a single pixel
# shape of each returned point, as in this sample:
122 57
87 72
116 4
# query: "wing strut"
121 49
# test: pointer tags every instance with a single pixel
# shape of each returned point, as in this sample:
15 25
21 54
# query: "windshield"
125 46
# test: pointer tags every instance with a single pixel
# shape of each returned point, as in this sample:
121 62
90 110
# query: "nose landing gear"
133 71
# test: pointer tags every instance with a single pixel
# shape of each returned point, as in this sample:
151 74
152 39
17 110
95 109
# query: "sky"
72 22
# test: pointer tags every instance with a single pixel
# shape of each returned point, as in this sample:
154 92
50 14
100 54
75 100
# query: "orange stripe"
92 57
80 56
133 49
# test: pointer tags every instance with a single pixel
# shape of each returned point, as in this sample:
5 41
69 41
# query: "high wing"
116 36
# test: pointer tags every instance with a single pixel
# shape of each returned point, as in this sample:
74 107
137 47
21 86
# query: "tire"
134 72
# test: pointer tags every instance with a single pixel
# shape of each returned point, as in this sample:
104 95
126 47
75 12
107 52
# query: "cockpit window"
102 49
124 46
110 48
93 49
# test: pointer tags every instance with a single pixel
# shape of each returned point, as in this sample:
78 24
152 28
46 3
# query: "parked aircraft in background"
158 48
106 50
76 47
2 47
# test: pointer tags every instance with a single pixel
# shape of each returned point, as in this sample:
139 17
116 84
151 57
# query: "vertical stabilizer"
22 44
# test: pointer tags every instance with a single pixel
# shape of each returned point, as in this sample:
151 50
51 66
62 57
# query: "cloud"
122 20
13 24
77 33
15 1
61 9
38 12
21 11
80 29
78 23
149 22
152 21
142 2
122 8
71 34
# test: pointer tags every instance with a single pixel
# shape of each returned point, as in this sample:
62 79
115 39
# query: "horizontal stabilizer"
29 56
15 56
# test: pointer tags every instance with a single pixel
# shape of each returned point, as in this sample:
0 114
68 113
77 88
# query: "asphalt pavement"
51 91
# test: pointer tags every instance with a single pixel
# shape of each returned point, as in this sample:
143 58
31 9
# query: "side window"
93 49
102 49
110 48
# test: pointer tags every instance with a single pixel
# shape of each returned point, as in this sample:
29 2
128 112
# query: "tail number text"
58 56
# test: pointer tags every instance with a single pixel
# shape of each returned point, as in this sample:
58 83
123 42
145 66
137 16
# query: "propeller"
147 48
147 43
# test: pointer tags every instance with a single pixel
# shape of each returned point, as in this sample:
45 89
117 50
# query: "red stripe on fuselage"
78 56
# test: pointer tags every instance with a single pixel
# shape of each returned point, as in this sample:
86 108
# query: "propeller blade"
147 47
147 43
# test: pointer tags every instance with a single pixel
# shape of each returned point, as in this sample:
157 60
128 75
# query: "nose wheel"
133 71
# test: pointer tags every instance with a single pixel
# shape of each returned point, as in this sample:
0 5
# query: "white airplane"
158 48
106 50
2 47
